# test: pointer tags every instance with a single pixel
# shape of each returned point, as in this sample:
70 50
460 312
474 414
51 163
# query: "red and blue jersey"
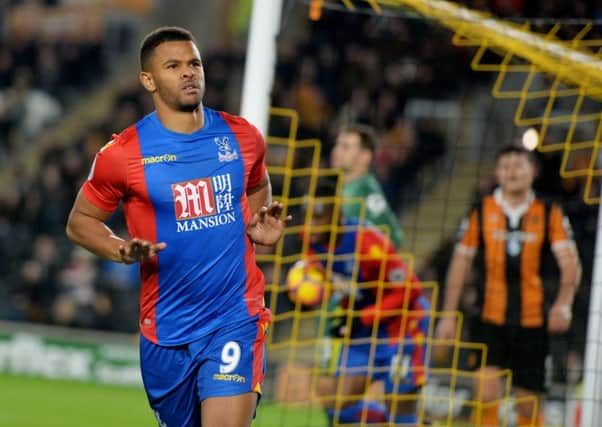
379 269
188 190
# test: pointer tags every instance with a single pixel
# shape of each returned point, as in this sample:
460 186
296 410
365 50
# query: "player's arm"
380 255
260 195
86 227
380 263
258 185
94 204
570 273
567 257
266 225
398 297
560 314
457 272
454 283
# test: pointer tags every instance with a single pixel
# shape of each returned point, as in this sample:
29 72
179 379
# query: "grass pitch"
36 402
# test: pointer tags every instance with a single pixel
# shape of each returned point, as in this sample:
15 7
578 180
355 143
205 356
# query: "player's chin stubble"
189 106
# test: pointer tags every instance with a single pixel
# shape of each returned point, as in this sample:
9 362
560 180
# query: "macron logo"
159 159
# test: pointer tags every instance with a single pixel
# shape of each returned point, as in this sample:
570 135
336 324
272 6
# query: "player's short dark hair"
159 36
366 133
516 149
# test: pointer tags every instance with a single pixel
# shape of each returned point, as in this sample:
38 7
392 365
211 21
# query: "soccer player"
353 153
372 307
514 228
196 197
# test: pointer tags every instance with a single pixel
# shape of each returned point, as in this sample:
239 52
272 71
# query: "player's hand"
139 250
446 329
559 318
341 327
266 226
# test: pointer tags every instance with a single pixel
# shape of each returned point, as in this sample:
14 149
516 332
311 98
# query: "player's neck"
353 175
182 121
516 198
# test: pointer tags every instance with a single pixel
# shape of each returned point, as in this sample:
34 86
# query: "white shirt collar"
514 214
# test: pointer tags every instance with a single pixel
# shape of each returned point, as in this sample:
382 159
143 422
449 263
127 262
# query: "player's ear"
147 81
366 158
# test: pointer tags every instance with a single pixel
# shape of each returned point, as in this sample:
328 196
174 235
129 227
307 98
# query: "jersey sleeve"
379 213
258 169
402 287
468 233
367 191
106 183
559 228
376 207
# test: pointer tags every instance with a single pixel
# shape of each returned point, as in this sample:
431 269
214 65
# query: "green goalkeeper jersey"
378 212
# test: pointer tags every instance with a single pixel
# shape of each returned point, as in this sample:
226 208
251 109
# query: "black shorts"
522 350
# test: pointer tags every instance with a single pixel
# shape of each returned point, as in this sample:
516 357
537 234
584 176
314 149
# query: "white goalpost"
591 415
260 62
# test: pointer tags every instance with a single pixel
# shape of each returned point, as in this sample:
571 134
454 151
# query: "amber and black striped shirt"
513 241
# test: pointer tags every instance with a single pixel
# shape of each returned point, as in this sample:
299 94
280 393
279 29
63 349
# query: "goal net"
476 82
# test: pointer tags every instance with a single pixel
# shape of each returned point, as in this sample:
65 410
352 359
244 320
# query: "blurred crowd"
52 52
354 68
344 68
44 65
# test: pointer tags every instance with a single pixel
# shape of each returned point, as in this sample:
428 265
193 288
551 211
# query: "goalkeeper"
353 154
382 317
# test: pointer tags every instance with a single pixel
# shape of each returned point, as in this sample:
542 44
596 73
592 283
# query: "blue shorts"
401 364
228 362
